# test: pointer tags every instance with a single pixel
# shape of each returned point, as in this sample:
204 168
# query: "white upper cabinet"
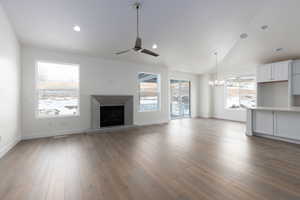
296 78
264 73
273 72
296 67
280 71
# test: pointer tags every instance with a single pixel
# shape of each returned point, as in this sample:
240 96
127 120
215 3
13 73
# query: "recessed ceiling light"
264 27
154 46
243 35
279 49
76 28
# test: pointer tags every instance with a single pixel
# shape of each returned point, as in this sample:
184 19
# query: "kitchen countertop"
283 109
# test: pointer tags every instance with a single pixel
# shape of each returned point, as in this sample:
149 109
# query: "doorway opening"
180 106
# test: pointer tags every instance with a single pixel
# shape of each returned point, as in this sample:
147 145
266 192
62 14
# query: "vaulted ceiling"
186 32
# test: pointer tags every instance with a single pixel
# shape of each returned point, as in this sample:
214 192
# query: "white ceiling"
187 32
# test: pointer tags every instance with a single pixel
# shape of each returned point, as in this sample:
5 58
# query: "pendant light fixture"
217 81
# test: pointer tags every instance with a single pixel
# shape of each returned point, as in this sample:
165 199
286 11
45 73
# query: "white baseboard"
69 132
277 138
153 123
53 134
6 148
206 116
249 133
110 129
231 120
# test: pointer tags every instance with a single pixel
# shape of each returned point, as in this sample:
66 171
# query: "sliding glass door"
180 99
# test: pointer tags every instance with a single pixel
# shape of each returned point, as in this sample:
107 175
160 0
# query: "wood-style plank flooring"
191 159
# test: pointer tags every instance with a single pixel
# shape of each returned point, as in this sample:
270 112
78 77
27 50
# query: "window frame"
159 92
36 99
225 90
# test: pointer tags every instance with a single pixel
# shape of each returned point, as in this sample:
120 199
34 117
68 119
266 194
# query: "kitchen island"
281 123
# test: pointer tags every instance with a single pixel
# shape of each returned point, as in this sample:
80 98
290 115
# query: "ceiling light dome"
76 28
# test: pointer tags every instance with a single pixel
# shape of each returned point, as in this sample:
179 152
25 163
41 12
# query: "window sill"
235 109
58 117
147 111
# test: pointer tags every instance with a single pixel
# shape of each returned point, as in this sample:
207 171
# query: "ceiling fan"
138 42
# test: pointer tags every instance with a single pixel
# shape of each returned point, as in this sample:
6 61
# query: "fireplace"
111 110
111 116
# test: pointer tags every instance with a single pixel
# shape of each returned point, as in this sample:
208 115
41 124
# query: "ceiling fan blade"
122 52
138 42
146 51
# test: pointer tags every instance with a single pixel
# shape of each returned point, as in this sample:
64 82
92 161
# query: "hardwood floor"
190 159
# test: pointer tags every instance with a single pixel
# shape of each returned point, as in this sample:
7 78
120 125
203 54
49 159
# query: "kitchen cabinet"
296 84
296 67
296 78
280 71
263 122
287 125
273 72
264 73
274 122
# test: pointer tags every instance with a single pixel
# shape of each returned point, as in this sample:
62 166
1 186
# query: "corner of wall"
10 76
8 146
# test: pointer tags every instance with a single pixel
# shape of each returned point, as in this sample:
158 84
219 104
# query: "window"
232 93
240 92
57 89
149 92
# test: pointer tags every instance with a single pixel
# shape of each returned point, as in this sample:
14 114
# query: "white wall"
212 101
273 94
194 79
218 109
205 96
10 121
97 76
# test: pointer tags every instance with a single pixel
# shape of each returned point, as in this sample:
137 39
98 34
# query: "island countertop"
280 109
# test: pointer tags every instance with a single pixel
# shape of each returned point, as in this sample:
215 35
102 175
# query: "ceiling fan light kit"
138 42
